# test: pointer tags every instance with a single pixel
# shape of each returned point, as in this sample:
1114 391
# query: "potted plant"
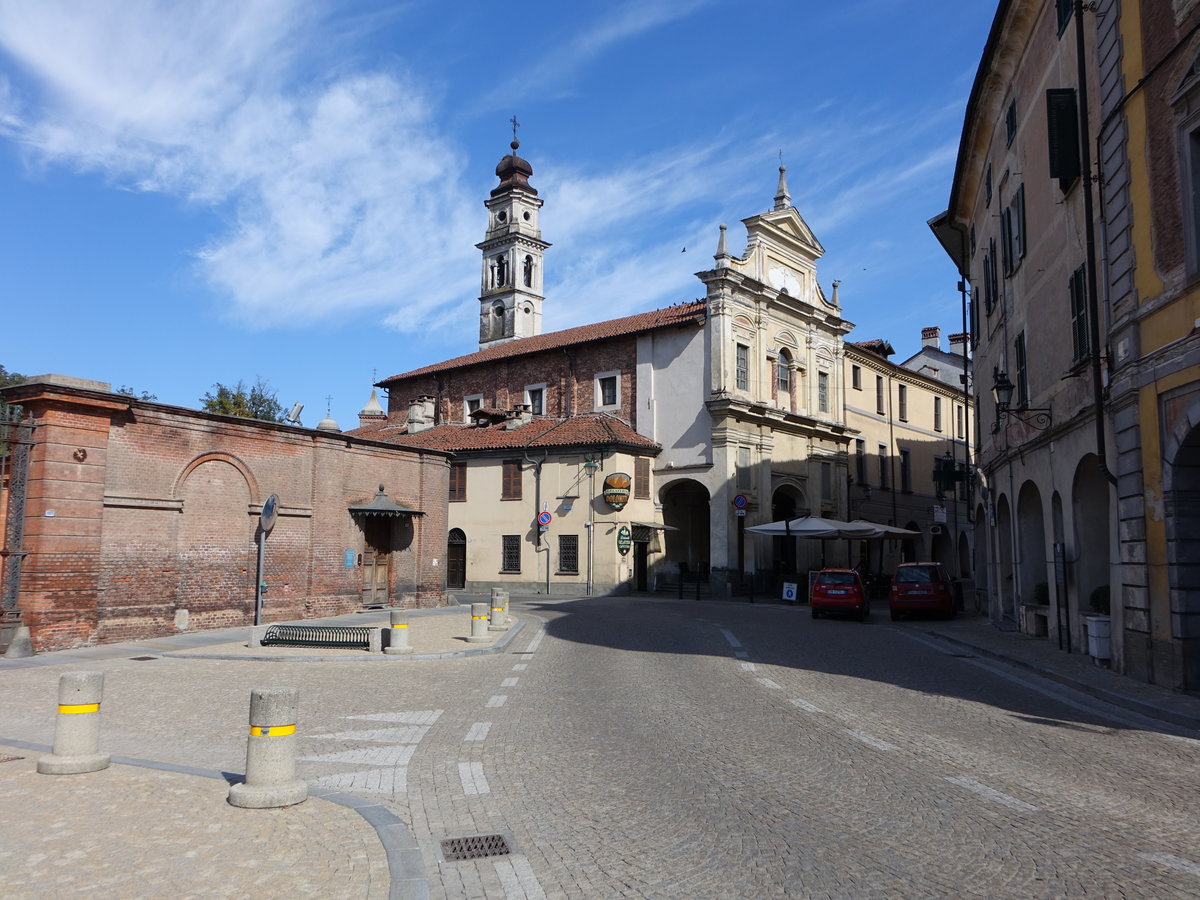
1099 626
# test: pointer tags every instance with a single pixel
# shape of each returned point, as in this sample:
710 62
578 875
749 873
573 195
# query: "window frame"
885 480
511 479
457 490
937 413
856 377
742 367
783 374
641 478
1021 364
880 397
823 392
510 549
905 470
1081 344
599 382
860 462
902 402
540 390
565 555
467 408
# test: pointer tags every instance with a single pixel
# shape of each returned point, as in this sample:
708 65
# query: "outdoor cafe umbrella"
890 532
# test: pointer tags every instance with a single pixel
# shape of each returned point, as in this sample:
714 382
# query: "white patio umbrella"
802 527
886 531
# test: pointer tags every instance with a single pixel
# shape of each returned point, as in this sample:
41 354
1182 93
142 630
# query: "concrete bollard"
507 618
496 613
398 635
271 752
257 633
77 731
479 623
20 645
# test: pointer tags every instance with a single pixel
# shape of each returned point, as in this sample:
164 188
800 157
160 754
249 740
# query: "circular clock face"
784 279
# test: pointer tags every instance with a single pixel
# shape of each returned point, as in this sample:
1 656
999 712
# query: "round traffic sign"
544 518
740 501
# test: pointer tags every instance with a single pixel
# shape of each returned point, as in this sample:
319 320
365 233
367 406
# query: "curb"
1133 704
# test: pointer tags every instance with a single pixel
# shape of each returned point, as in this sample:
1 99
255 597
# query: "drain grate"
477 847
4 758
142 658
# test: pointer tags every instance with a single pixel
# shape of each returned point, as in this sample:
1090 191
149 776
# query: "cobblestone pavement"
649 748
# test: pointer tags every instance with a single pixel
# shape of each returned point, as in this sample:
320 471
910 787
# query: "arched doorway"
1181 485
1031 528
982 558
1006 607
685 509
456 559
909 549
787 502
1090 493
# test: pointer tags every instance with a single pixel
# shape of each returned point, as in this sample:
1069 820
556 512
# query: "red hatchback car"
839 591
922 587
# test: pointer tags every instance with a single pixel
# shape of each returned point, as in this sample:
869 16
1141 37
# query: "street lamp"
1038 418
590 466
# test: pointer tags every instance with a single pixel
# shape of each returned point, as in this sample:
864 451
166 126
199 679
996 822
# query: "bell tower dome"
510 296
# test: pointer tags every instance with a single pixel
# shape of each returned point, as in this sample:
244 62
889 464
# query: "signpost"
266 521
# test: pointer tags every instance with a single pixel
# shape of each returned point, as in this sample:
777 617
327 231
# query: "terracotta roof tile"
679 314
578 431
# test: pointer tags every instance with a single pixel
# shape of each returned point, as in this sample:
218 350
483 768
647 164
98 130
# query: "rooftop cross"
515 126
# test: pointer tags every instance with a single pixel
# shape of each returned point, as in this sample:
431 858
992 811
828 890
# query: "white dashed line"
478 732
518 880
749 667
413 717
804 705
509 682
537 640
409 735
520 667
992 794
870 741
368 756
497 700
1174 862
473 781
733 641
374 781
770 683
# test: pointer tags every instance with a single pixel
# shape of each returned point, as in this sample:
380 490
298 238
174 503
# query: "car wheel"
815 614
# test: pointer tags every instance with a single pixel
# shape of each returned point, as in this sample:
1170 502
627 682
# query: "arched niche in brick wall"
217 456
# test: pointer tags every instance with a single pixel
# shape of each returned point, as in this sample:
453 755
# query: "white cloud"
330 184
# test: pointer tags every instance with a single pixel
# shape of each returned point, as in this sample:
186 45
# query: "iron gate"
16 437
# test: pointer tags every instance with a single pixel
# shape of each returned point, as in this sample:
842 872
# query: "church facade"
724 412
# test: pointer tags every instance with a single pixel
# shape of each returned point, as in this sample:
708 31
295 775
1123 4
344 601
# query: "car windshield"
911 574
836 578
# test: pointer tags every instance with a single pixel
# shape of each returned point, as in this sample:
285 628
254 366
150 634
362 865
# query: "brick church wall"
142 519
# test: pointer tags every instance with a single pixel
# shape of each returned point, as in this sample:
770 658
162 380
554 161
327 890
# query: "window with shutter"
1062 128
1080 345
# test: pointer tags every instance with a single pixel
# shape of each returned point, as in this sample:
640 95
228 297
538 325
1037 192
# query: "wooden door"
456 560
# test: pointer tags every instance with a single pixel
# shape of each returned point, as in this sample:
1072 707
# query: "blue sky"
219 190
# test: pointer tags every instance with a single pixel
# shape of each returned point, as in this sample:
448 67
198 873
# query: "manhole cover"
476 847
4 758
142 658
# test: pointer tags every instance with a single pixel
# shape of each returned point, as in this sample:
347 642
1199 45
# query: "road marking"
733 642
473 780
871 741
497 700
478 732
1175 862
518 880
805 705
520 667
410 735
509 682
769 683
749 667
413 717
374 781
537 640
368 756
992 794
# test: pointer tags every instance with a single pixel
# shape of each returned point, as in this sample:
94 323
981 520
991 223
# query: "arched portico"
1181 495
685 508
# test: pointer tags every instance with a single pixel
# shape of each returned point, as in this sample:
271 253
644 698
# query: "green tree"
8 379
126 391
257 402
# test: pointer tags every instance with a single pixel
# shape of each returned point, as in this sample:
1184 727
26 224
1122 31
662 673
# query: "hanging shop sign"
624 540
616 490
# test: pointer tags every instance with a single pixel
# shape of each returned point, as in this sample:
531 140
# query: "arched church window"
783 371
498 308
528 271
501 271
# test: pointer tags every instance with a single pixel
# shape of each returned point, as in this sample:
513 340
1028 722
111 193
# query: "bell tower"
510 296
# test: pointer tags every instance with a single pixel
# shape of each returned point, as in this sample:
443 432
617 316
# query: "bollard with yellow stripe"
77 728
271 752
479 624
398 634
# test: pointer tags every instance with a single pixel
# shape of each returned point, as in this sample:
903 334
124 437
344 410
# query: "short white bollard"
77 731
398 635
507 617
271 752
496 613
479 623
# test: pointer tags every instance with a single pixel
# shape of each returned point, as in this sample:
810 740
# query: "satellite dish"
294 416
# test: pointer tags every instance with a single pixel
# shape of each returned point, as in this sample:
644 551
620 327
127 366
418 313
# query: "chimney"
957 340
518 416
428 408
932 337
420 417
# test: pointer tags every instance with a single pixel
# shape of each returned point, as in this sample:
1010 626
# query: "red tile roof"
692 311
578 431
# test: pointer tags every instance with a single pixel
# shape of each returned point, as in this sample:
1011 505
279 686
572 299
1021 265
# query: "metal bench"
341 636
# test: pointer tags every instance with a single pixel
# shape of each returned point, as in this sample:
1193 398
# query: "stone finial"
722 254
782 198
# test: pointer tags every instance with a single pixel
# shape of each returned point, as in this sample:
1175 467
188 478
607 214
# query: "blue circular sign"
740 501
544 518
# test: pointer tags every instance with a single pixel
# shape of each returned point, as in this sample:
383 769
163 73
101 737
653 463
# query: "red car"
922 587
839 591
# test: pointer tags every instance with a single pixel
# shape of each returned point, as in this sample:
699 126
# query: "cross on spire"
515 126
